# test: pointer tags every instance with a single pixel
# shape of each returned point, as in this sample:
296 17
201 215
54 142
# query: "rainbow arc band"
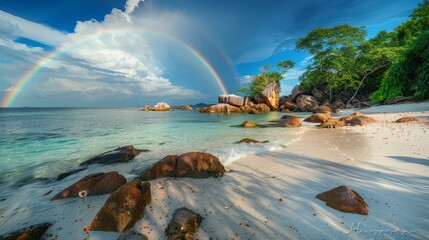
26 78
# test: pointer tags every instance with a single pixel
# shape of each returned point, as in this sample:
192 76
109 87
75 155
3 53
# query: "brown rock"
289 121
184 225
120 154
344 199
31 233
261 107
290 106
333 123
306 103
250 140
187 108
147 108
245 109
318 94
361 121
296 91
407 120
165 167
199 165
248 124
338 104
220 108
192 165
271 94
318 118
123 208
254 111
94 184
323 109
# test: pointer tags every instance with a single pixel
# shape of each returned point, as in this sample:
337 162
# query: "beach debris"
93 184
66 174
120 154
407 120
191 164
289 121
183 225
344 199
131 235
250 140
123 208
318 118
248 124
34 232
161 107
360 120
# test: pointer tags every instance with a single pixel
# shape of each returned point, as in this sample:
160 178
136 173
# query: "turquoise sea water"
38 144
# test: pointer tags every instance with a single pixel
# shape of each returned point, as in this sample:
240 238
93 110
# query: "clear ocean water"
38 144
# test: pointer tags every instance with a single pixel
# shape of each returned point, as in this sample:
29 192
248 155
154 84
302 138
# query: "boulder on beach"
123 208
289 121
297 91
407 120
34 232
192 165
120 154
289 106
318 118
344 199
248 124
361 121
323 109
250 140
71 172
161 107
183 225
94 184
333 123
220 108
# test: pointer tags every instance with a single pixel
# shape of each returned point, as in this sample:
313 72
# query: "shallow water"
39 143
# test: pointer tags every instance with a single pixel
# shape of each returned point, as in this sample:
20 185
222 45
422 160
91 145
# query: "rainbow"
26 78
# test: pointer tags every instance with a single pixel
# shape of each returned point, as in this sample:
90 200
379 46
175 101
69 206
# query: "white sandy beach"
272 195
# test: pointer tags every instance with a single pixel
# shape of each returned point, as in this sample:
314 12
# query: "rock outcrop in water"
120 154
220 108
94 184
344 199
184 224
161 107
31 233
192 165
289 121
123 208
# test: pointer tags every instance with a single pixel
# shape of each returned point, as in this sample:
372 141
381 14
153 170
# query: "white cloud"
246 79
31 30
131 5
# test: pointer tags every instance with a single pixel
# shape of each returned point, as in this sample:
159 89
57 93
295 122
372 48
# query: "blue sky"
147 52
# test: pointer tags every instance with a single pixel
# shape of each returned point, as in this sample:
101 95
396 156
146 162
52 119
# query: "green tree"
335 51
266 77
